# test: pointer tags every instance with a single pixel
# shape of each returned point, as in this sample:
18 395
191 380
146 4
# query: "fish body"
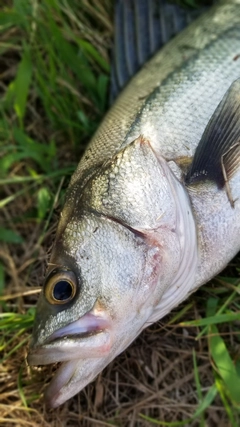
153 209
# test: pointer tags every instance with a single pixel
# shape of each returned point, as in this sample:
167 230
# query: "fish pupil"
62 290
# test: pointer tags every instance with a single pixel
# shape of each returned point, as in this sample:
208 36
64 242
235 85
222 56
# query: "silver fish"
153 209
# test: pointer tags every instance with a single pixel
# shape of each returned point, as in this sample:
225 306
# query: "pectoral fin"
217 156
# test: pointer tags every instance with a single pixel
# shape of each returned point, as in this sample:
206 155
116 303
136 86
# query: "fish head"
108 269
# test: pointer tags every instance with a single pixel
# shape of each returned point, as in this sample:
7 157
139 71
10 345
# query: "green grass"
54 91
64 80
224 358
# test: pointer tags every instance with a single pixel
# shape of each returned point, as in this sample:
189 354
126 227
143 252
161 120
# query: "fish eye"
60 287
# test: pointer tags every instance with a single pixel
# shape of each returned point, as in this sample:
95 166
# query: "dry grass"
155 377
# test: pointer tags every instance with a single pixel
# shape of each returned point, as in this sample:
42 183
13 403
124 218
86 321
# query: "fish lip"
88 336
87 325
68 349
71 337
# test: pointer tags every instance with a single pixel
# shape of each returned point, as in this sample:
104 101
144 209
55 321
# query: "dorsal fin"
218 153
141 28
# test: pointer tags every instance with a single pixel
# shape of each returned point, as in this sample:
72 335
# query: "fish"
152 211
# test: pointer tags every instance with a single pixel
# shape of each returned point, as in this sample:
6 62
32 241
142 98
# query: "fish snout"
90 336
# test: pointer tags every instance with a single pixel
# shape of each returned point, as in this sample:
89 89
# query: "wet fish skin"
139 240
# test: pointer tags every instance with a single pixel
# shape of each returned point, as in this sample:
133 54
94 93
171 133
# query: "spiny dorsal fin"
218 154
141 28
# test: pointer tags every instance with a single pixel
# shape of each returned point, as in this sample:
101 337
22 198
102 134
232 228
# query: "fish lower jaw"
71 377
53 395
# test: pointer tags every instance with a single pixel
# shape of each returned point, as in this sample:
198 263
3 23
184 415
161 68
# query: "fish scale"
121 117
188 95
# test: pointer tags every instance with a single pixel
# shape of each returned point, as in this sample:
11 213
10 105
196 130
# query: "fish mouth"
89 336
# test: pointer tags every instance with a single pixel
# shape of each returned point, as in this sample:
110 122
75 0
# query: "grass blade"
224 364
21 85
